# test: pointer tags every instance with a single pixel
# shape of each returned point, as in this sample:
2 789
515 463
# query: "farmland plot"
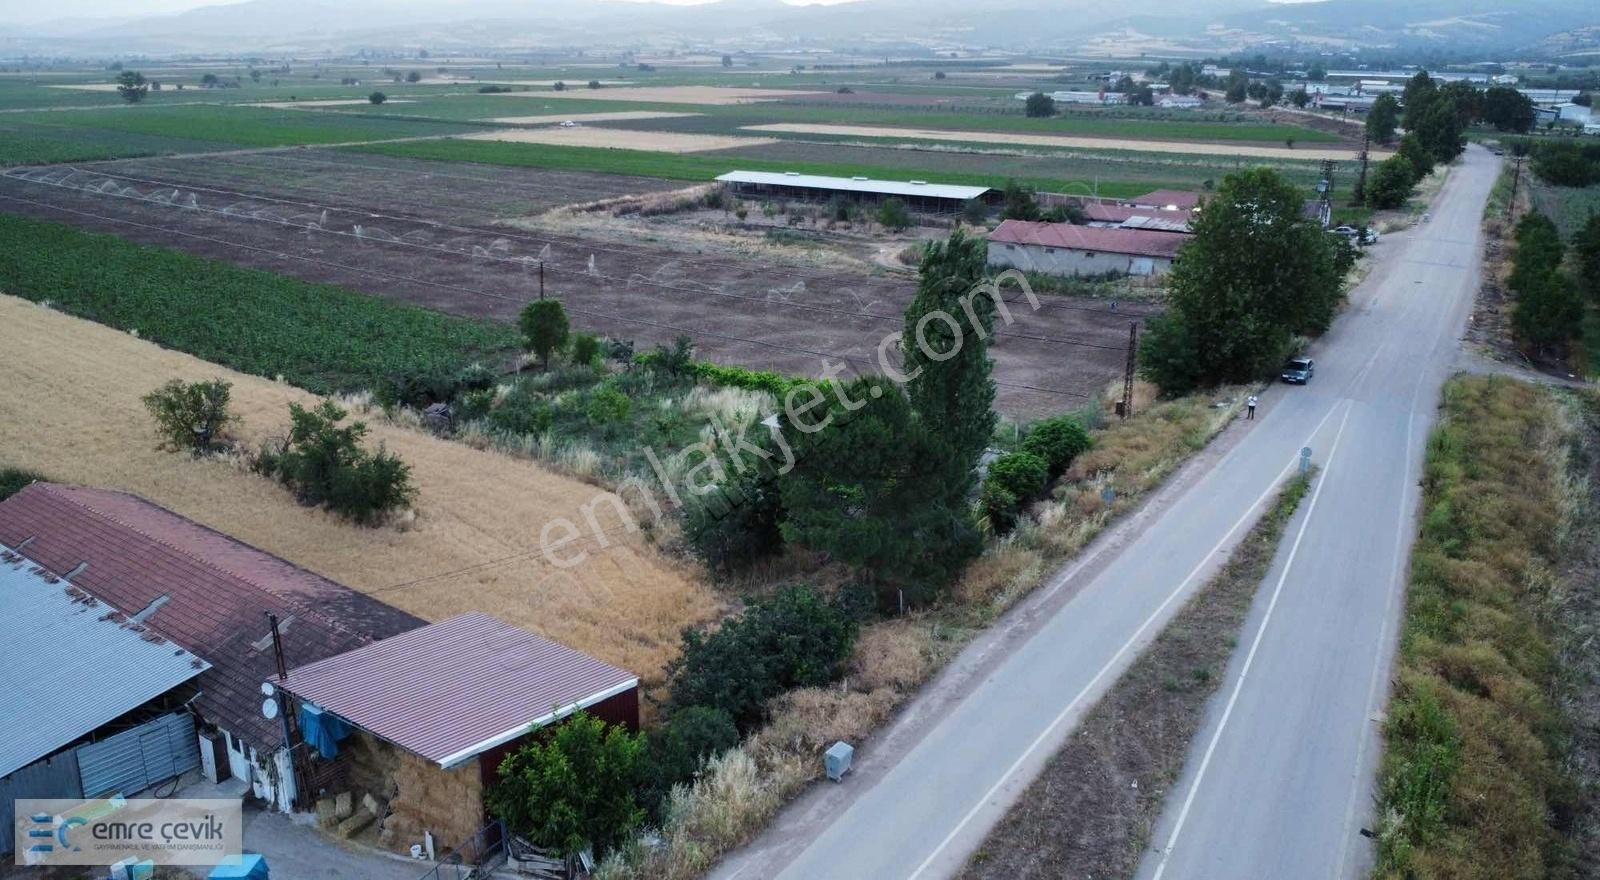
739 312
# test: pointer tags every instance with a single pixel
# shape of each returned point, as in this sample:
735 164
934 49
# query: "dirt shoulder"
1089 813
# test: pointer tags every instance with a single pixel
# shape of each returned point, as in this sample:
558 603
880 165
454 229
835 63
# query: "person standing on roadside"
1250 408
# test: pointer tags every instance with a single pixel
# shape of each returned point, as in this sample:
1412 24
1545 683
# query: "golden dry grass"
619 139
1054 140
715 95
72 410
613 116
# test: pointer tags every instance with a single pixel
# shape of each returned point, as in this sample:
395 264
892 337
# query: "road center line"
1127 646
1255 644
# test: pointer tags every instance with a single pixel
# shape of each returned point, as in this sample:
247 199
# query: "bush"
999 506
493 90
421 387
585 348
14 480
190 415
892 214
1040 105
522 412
678 749
1022 474
1057 440
674 360
325 466
975 212
377 98
1392 183
737 524
573 788
608 407
794 639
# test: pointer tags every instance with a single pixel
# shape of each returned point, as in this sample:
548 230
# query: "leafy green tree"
1058 440
1438 127
1467 101
1255 273
131 86
413 77
1508 109
190 415
544 328
1182 79
727 61
739 522
945 343
793 639
1238 89
1392 183
1382 119
866 490
573 788
892 214
1040 105
1586 245
975 212
1300 98
1418 90
1018 203
377 98
1548 315
1317 73
1413 151
608 407
325 466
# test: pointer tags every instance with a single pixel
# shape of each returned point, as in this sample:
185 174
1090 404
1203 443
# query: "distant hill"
874 26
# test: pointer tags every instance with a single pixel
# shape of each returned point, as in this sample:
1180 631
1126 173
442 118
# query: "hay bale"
343 805
326 817
353 825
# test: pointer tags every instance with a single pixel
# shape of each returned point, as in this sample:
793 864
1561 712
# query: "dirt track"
389 229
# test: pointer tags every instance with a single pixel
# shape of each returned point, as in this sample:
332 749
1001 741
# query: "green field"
317 336
134 131
706 166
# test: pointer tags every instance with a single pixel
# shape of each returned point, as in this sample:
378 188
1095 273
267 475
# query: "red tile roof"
218 592
1138 242
1107 213
454 689
1161 198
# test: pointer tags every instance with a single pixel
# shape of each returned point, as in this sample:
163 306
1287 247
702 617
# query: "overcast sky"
26 11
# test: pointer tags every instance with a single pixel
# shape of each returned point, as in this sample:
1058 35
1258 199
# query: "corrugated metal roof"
856 184
1138 242
1168 199
454 689
218 591
71 663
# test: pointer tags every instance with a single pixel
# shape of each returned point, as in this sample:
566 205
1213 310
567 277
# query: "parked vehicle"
1298 371
1361 236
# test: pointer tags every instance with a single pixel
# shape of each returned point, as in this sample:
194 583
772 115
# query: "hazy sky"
24 11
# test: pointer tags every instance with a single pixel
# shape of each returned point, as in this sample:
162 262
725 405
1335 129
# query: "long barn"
918 195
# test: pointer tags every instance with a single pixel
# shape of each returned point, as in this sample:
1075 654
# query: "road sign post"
1305 459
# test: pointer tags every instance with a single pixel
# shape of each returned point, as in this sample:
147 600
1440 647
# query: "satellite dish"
267 689
269 708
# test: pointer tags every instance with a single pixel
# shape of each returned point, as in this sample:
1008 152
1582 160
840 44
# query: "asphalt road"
1281 778
1286 785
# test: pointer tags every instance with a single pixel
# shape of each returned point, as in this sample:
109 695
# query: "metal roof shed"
453 690
942 196
72 664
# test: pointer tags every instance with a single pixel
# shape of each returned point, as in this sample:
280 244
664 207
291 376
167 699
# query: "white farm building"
1065 249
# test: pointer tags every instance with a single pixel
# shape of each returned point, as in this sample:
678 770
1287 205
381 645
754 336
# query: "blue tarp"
323 730
248 867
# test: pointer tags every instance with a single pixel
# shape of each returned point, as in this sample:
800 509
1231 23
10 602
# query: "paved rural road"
1287 784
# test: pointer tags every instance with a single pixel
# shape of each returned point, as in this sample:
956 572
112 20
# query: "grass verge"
739 791
1108 783
1473 783
318 336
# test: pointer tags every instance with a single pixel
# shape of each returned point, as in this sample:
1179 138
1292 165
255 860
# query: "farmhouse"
93 698
1065 249
918 195
205 594
1180 102
421 721
1166 200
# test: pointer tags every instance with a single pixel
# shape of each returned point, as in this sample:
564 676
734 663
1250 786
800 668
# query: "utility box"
837 760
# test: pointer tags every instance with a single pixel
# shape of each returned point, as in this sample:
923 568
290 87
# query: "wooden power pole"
1125 409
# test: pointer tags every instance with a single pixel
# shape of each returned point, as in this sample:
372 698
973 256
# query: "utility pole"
541 279
291 727
1359 197
1325 194
1125 408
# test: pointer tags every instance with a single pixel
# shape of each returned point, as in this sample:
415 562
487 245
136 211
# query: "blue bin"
250 866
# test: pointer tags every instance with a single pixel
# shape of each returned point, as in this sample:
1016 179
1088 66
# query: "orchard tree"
131 85
544 328
1040 105
573 787
1254 274
1382 119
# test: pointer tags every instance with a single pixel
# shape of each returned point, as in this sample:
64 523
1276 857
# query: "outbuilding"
208 595
426 717
918 195
1065 249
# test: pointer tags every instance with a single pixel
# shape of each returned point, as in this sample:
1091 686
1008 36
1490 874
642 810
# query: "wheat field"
71 410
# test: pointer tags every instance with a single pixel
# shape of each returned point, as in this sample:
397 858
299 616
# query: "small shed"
435 710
